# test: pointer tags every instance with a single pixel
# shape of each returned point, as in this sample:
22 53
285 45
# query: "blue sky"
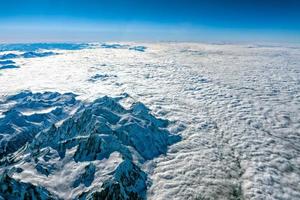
186 20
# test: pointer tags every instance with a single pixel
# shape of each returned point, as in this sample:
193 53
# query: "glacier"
217 121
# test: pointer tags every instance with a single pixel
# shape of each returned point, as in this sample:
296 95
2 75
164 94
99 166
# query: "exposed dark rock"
93 132
43 46
12 189
87 177
124 46
32 54
17 128
9 67
129 182
6 62
8 56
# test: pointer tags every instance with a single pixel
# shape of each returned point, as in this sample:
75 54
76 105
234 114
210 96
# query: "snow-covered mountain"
25 114
217 121
100 147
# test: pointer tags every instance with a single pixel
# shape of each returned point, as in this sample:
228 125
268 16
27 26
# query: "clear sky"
184 20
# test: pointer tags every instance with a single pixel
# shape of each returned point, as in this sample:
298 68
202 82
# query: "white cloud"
242 123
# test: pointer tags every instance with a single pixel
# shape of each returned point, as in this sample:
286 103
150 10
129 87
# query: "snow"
94 132
25 114
67 170
235 106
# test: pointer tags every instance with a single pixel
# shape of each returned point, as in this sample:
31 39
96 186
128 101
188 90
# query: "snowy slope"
25 114
236 108
94 133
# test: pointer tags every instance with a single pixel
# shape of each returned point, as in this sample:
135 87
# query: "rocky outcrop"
29 114
128 182
95 132
87 177
30 54
11 189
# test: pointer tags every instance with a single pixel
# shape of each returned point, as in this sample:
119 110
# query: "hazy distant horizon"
201 21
